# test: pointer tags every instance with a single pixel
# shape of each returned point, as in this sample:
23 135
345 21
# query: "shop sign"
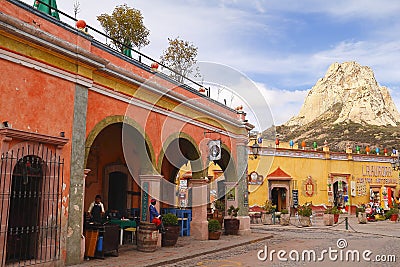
309 187
255 179
295 195
374 171
183 183
231 194
145 201
353 188
246 199
377 180
361 189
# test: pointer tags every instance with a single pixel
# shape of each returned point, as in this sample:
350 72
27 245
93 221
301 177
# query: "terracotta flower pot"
231 226
336 218
214 235
170 237
266 218
285 219
362 218
305 221
328 219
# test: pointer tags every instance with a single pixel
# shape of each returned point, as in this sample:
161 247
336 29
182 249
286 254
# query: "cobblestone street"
381 238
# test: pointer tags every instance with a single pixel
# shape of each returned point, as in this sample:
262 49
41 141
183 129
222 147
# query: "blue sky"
284 46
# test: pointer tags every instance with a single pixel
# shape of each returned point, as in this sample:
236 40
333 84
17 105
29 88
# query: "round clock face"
253 176
214 151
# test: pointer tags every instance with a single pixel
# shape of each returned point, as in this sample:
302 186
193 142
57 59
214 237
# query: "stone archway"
178 151
100 126
116 147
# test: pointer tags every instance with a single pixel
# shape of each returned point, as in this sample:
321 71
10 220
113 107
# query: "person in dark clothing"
96 210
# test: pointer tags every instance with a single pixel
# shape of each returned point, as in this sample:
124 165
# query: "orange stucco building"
80 119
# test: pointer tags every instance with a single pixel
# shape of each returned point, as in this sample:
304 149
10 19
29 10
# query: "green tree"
125 25
180 56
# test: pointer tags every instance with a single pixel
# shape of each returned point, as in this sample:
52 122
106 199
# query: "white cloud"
230 32
284 104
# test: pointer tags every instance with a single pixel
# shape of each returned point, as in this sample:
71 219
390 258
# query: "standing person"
155 217
96 209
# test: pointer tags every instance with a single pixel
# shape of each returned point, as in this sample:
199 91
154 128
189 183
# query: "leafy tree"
180 56
125 25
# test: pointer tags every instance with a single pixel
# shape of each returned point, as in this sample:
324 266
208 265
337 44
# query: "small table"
123 224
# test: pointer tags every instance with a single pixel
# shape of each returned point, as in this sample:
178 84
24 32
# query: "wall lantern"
255 149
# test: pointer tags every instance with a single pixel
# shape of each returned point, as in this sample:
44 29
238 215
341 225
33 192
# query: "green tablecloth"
123 223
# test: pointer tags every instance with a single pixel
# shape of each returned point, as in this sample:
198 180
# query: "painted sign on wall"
145 201
295 195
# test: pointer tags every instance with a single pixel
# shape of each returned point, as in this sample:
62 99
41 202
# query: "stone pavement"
186 248
382 228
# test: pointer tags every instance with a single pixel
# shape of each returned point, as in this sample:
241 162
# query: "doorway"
117 187
24 214
339 193
278 198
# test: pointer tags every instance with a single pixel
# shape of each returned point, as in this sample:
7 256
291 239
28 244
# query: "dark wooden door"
117 191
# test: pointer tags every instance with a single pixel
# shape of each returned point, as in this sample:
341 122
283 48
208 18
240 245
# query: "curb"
171 261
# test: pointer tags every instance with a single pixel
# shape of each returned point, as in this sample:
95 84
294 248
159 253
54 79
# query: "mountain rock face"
354 88
345 107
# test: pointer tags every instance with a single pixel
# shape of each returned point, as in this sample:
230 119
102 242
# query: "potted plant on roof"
231 225
170 237
305 213
214 229
285 217
328 217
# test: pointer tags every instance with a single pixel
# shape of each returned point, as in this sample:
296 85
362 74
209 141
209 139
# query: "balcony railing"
142 60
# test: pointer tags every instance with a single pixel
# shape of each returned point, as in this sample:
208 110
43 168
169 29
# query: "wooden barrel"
147 237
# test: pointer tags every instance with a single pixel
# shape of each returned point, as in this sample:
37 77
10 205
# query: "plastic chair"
184 218
132 230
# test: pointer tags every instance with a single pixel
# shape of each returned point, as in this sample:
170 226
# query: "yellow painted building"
290 177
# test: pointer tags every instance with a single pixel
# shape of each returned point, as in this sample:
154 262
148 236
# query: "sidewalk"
186 248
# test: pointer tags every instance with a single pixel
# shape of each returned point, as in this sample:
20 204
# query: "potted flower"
305 213
335 212
219 211
170 237
266 216
394 213
362 217
285 217
231 225
329 187
359 210
328 217
214 229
